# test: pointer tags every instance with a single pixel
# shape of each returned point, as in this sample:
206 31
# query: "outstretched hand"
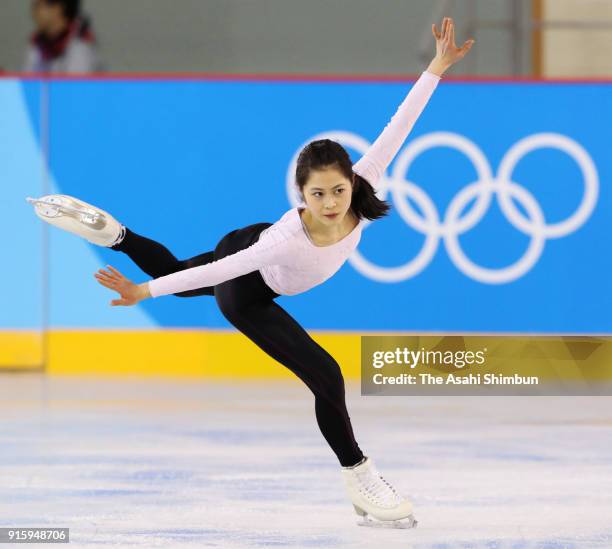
446 50
130 293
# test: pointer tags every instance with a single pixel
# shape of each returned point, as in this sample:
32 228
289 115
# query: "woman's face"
328 191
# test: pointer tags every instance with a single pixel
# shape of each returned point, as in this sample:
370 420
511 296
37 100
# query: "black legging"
248 303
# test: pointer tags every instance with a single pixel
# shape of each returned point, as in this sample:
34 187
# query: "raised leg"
156 260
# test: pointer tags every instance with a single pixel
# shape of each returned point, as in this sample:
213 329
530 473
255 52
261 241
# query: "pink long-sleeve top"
289 262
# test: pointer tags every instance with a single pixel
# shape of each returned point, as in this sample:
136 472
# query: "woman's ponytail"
365 203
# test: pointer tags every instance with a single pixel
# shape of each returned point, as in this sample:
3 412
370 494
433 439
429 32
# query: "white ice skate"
372 495
78 217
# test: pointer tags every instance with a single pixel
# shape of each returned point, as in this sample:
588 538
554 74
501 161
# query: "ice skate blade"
53 207
403 524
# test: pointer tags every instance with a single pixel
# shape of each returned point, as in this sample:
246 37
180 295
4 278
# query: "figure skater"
253 265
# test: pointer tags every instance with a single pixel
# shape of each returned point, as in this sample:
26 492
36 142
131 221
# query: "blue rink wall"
501 217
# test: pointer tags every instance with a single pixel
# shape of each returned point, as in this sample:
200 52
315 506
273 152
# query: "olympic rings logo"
434 228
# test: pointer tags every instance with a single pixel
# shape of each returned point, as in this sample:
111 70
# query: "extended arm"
231 266
373 164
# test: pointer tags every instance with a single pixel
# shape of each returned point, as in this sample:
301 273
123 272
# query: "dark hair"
71 8
324 154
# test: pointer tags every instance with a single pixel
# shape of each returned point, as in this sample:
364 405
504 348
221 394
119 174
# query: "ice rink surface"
158 463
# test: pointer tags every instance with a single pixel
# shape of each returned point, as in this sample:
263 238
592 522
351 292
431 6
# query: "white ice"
158 463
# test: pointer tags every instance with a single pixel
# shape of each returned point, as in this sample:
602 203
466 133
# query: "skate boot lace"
376 489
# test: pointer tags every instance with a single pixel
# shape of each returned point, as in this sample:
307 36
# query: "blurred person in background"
63 40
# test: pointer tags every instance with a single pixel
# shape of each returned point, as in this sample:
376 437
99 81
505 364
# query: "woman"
253 265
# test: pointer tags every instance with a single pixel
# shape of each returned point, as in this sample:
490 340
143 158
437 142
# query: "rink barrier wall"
96 138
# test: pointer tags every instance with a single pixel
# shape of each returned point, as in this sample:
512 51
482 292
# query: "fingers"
108 279
108 275
111 273
115 271
102 276
435 32
121 302
111 277
107 284
445 29
447 35
103 279
468 44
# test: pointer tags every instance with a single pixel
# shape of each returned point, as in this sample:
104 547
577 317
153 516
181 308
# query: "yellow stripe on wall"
230 354
22 350
175 353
